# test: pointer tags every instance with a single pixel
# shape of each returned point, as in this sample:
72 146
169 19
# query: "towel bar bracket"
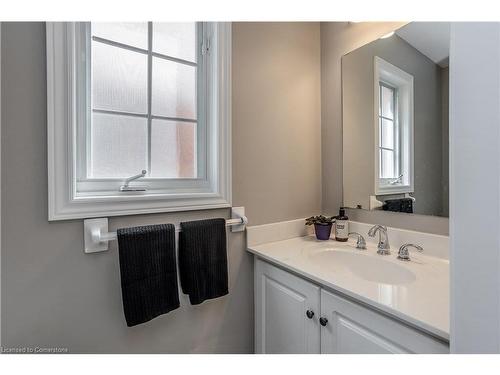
97 236
238 213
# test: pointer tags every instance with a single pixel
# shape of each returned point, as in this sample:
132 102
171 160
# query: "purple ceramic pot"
323 231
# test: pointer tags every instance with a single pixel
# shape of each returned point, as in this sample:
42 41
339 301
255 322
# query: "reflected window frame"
401 84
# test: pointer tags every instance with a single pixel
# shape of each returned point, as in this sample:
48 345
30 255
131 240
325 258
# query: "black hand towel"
203 259
148 272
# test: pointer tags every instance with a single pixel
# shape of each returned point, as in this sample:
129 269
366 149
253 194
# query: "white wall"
475 187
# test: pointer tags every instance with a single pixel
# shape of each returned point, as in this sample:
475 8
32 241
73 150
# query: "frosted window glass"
119 145
174 89
387 102
119 79
173 149
387 133
175 39
387 164
130 33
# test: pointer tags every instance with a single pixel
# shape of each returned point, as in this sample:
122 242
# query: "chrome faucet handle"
360 243
373 230
383 247
404 252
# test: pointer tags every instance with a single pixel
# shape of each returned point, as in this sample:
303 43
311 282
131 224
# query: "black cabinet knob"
309 314
323 321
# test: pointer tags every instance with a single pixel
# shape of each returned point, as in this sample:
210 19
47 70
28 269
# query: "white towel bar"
97 237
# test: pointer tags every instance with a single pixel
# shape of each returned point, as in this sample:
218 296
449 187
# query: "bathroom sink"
367 267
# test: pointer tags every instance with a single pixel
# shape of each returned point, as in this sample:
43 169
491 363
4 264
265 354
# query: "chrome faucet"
404 253
360 243
383 247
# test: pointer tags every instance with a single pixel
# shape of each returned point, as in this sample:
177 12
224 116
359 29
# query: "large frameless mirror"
395 121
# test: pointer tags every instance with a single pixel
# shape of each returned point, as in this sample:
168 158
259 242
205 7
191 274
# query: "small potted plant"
322 226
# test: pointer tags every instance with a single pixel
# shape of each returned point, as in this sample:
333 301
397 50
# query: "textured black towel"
399 205
148 272
203 259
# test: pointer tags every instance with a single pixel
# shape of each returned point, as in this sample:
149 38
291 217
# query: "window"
389 171
394 129
139 99
143 101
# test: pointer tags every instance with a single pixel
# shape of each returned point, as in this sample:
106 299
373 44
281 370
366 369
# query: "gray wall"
337 39
359 130
0 184
445 108
55 295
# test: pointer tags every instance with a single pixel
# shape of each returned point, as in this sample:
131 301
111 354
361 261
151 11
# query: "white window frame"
403 83
67 96
396 139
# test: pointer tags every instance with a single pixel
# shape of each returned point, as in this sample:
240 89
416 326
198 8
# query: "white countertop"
422 302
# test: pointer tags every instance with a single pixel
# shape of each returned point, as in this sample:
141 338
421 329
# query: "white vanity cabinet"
293 315
351 328
287 310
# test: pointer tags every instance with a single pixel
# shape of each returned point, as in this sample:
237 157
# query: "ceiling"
430 38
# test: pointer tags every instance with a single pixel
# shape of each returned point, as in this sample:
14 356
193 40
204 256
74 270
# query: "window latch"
126 183
397 180
205 46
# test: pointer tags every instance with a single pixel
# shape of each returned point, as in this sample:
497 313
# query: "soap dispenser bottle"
341 226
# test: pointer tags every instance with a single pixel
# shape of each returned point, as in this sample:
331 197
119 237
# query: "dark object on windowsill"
399 205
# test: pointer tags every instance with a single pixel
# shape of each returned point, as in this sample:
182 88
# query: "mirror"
395 121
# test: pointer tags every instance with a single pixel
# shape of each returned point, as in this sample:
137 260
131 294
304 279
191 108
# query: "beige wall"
54 295
276 120
337 39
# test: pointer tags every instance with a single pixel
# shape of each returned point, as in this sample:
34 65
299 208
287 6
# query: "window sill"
396 189
120 205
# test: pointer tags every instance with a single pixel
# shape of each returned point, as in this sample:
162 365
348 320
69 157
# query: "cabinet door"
355 329
282 301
